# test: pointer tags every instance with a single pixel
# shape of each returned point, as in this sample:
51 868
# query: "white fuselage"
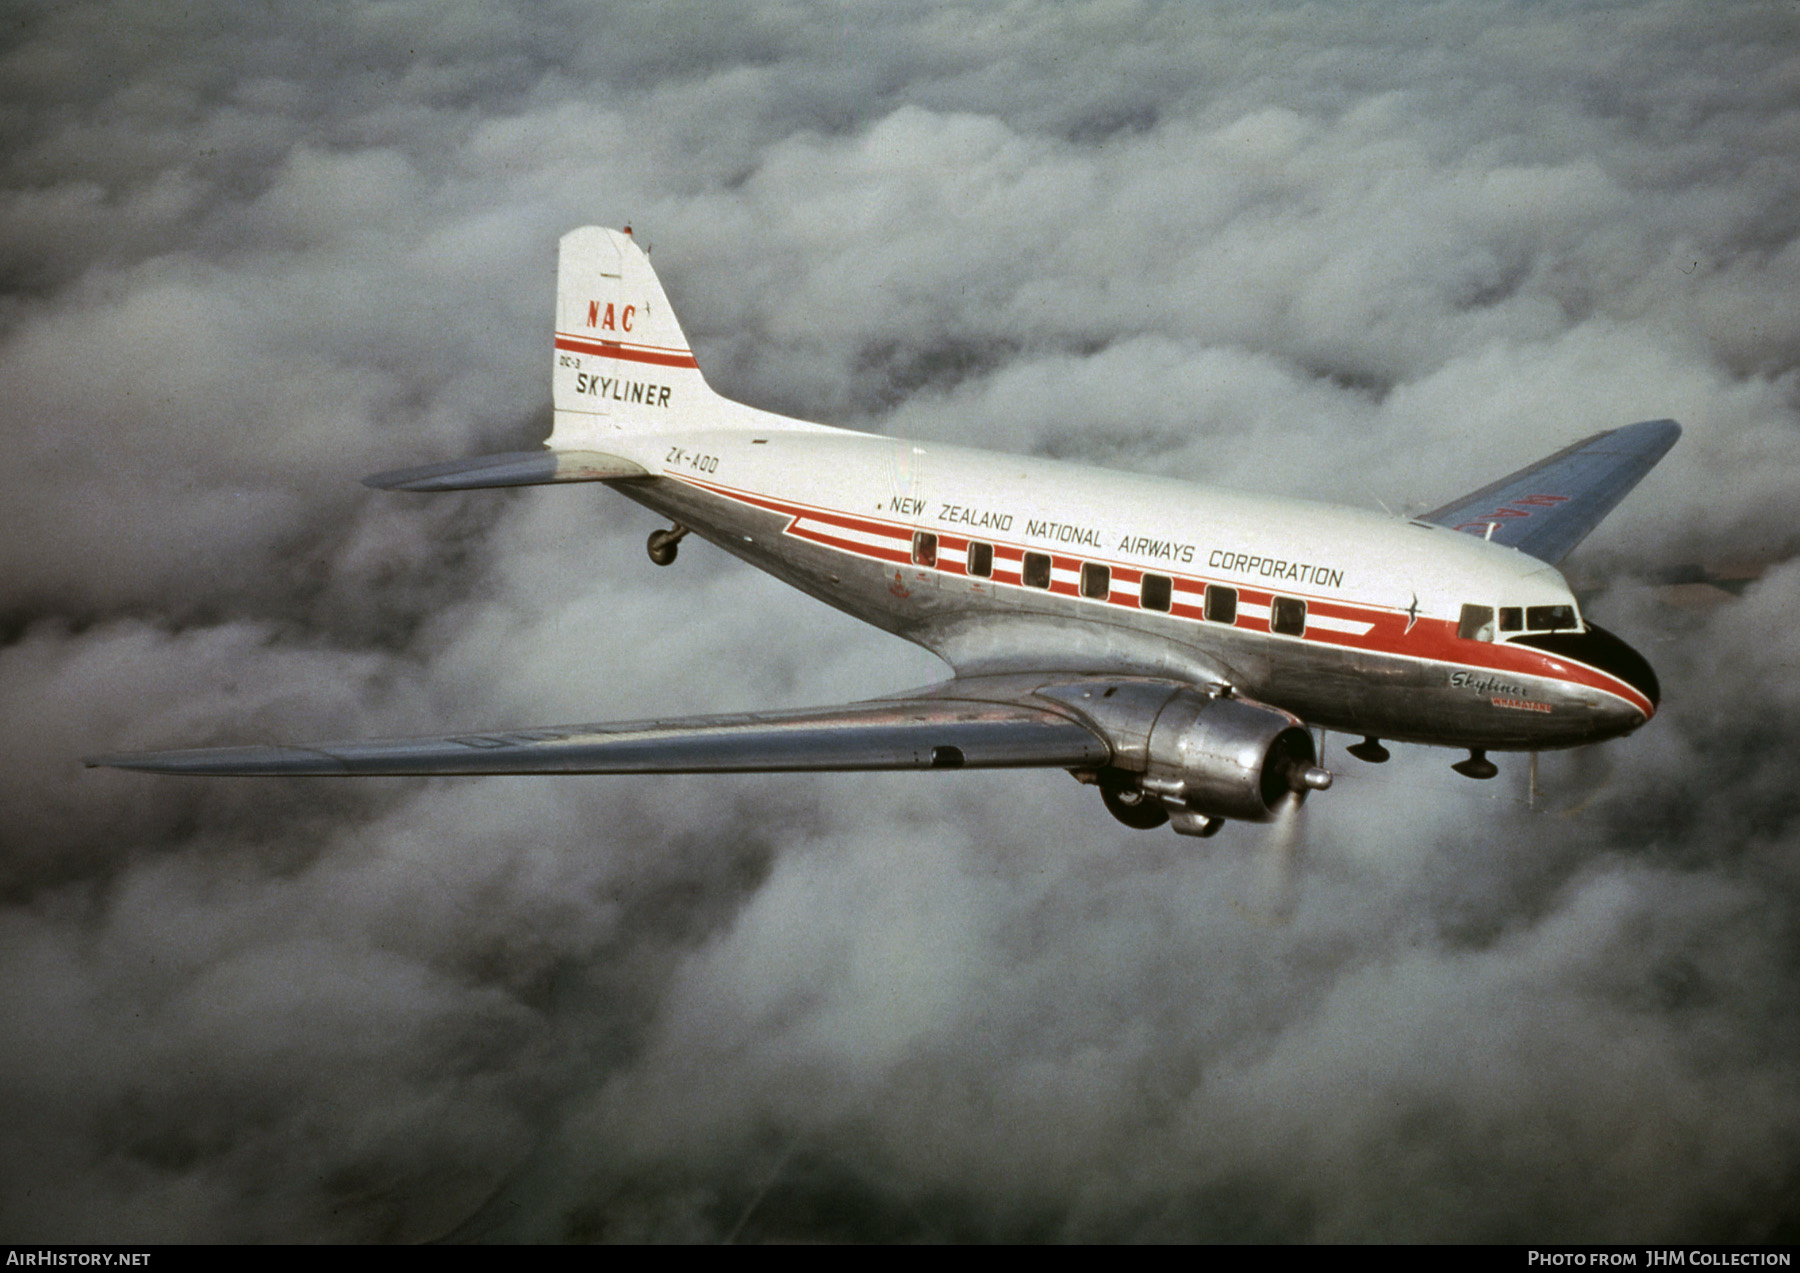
1349 619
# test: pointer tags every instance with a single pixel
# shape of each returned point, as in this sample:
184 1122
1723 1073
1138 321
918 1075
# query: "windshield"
1538 619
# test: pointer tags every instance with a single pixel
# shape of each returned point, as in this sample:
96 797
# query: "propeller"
1282 853
1283 850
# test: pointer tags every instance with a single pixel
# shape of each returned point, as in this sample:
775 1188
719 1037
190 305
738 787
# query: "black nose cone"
1603 651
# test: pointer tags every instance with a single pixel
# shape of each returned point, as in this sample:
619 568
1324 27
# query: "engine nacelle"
1228 758
1190 756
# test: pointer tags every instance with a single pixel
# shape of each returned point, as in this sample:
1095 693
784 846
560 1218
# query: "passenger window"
1477 623
1549 618
1154 593
1096 580
981 559
1036 570
924 548
1288 616
1512 619
1221 605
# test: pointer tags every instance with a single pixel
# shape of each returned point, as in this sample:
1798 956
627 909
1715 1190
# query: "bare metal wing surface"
1547 508
918 733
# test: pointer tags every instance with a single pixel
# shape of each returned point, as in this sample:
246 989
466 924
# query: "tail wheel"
1134 806
664 544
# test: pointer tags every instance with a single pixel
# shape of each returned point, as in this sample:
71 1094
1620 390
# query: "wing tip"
120 760
222 762
1651 435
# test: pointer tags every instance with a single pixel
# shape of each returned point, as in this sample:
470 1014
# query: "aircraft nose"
1621 717
1629 666
1607 652
1601 650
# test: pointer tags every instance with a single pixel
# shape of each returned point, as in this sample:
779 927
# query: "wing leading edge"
1547 508
885 734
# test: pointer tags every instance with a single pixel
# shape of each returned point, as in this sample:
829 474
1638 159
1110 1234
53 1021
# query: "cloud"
1372 253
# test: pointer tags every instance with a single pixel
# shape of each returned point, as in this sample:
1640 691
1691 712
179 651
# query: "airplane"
1171 644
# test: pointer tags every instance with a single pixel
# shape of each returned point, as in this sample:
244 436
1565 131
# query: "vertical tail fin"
622 370
622 362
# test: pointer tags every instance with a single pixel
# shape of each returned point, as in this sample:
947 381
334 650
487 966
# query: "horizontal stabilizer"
513 468
887 734
1547 508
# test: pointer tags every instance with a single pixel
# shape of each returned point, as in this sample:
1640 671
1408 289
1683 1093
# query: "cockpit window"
1550 618
1476 624
1536 619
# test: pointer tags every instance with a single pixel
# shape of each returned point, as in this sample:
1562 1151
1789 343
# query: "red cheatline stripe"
850 522
628 353
868 525
628 344
1431 640
898 555
828 517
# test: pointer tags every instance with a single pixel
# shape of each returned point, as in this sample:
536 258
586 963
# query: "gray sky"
1363 252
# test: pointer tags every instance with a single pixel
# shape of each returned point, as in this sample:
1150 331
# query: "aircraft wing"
1546 508
906 733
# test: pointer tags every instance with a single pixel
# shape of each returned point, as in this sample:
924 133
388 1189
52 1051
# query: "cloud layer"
1367 253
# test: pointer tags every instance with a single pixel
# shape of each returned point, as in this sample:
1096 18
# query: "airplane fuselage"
1351 620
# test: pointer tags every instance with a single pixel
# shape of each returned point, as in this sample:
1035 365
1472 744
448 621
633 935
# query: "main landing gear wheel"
1370 751
664 544
1135 807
